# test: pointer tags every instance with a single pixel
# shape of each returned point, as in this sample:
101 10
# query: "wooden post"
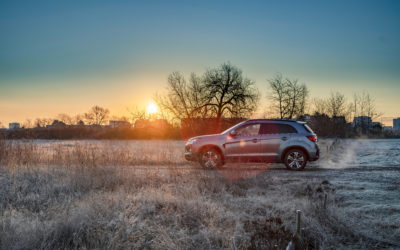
298 222
325 199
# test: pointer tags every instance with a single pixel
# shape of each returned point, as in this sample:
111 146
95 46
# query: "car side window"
286 129
269 128
249 130
273 128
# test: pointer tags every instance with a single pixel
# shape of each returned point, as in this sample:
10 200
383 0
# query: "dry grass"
91 194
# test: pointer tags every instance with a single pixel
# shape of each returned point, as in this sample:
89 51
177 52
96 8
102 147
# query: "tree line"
224 92
96 115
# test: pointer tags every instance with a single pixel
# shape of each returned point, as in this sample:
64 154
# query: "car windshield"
234 127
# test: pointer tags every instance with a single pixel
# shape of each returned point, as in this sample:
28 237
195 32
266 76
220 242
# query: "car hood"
206 137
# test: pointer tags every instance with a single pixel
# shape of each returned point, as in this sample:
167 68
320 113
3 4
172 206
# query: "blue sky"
65 56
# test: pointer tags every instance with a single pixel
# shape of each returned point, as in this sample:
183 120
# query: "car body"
267 140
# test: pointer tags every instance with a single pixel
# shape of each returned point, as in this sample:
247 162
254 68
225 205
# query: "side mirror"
233 133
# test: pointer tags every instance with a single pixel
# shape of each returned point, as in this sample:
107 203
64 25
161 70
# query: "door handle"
254 140
284 138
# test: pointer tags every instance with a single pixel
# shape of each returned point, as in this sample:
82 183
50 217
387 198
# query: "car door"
270 140
246 142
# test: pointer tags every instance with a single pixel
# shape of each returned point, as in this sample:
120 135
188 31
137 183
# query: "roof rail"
279 120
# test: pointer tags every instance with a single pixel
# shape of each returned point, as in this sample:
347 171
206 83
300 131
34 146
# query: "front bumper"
190 155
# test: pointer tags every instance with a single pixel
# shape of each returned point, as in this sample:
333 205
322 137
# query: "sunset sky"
66 56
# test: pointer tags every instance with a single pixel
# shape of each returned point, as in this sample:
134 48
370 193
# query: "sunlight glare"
152 108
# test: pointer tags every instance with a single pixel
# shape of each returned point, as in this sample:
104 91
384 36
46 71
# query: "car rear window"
286 129
308 128
273 128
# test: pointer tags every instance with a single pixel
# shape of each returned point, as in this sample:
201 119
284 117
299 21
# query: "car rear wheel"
295 159
211 158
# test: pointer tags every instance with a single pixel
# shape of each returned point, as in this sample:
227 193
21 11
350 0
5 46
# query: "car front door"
245 143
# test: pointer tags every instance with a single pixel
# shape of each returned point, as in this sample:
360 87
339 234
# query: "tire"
295 159
210 159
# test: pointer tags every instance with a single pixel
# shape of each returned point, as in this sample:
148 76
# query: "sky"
67 56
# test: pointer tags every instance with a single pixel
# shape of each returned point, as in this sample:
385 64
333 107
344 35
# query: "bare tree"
38 123
288 97
320 106
298 96
370 107
136 113
279 95
183 99
78 119
349 115
229 93
65 119
42 122
27 123
364 105
336 104
96 115
221 91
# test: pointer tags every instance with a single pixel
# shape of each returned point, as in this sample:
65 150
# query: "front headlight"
191 141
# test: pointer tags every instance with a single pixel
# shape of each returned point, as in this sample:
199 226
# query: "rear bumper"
315 156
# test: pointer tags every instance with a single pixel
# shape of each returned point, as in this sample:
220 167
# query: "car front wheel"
295 159
211 159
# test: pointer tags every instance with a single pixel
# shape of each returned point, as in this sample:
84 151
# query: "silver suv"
290 142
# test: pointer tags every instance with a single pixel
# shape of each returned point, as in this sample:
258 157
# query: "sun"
152 108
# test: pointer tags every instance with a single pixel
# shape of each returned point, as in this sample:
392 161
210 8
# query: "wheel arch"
294 147
208 146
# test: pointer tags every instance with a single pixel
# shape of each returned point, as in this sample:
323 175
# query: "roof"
274 120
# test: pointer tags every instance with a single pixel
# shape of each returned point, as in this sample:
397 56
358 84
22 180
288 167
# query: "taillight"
312 138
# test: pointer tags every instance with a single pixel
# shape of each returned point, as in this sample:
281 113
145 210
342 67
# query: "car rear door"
272 136
270 140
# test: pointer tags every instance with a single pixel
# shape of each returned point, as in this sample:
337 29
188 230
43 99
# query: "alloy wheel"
296 160
211 159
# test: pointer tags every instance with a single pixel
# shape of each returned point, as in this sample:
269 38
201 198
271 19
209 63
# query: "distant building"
14 125
364 122
119 124
396 124
387 128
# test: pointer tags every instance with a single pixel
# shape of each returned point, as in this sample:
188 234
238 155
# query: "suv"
290 142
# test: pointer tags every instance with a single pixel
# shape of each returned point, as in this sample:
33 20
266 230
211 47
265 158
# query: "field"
143 194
